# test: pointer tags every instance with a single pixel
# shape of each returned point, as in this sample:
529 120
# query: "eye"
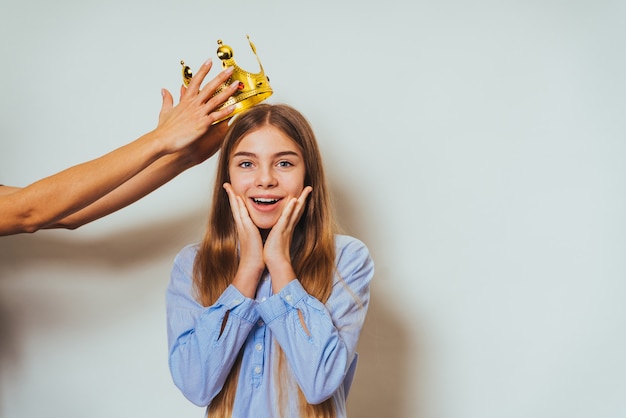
245 164
285 164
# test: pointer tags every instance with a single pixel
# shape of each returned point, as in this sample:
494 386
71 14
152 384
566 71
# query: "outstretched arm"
148 180
185 136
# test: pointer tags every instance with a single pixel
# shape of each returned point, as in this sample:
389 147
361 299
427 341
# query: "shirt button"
236 301
263 299
257 370
260 323
258 347
288 298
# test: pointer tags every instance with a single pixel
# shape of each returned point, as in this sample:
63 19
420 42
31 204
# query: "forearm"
148 180
203 342
53 198
154 176
5 190
204 345
318 353
142 184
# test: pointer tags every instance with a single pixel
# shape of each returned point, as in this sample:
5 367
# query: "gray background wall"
476 147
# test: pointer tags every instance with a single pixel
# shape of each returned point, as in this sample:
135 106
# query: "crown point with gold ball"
253 87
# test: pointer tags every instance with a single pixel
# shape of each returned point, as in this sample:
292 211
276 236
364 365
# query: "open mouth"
264 201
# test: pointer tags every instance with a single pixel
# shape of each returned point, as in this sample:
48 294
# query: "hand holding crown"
191 123
252 88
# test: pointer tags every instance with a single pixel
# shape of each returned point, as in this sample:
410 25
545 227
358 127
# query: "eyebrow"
278 154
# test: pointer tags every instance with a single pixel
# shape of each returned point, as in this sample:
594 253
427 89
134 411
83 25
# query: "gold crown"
253 87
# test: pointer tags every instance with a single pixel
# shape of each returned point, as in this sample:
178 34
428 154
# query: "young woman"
264 315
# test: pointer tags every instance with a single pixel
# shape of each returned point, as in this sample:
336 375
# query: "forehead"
266 140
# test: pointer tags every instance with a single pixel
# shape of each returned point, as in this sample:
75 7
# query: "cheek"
292 184
299 181
239 183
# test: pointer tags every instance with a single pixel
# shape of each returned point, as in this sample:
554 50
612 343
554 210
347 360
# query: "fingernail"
229 70
207 62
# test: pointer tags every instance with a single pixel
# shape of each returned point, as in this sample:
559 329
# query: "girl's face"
266 169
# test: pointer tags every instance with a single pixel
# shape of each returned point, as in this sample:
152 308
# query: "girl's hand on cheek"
276 253
251 263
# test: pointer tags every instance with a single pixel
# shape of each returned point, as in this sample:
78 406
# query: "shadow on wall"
122 249
380 387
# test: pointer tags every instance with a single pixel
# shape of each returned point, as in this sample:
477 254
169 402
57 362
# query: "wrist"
246 280
156 144
282 274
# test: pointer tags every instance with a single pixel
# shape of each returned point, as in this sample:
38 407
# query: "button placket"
258 358
258 346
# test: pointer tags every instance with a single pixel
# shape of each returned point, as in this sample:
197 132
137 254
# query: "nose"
265 178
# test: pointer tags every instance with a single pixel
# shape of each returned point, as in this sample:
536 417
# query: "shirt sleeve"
201 353
320 355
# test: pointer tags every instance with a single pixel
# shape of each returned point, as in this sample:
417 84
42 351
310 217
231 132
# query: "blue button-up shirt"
322 357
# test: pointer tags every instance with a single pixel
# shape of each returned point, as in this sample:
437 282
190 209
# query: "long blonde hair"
312 250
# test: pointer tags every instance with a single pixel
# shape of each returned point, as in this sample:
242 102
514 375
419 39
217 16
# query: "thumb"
168 103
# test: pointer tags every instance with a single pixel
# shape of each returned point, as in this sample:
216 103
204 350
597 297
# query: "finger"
183 89
211 87
299 204
243 211
220 114
232 199
238 207
167 103
217 100
198 78
284 220
305 194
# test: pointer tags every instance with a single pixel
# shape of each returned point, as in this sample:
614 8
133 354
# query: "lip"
255 201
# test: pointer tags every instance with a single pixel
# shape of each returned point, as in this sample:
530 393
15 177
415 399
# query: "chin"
264 224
